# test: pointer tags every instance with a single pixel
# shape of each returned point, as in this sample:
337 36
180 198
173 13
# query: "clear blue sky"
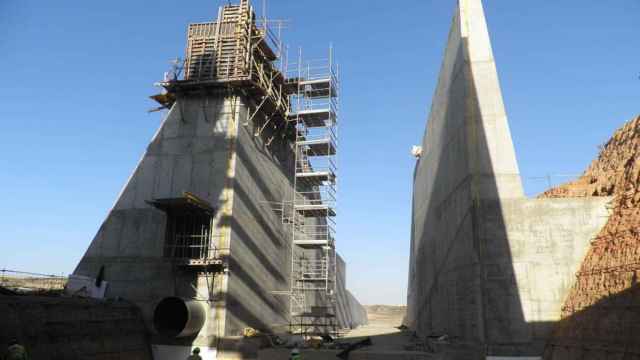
75 76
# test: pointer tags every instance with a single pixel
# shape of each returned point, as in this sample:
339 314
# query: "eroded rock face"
601 310
616 170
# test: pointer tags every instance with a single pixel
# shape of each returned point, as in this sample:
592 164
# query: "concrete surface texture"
205 146
56 328
349 311
489 267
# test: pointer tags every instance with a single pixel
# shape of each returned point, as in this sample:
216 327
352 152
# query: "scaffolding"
237 52
297 101
314 111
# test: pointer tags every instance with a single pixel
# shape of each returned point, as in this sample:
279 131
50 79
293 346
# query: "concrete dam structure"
227 222
489 267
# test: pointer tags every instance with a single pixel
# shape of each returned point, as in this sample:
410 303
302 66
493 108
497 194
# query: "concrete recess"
489 267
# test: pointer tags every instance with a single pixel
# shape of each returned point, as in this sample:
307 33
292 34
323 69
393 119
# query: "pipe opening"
176 317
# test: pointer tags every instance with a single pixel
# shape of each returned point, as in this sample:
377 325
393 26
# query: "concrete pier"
206 147
489 267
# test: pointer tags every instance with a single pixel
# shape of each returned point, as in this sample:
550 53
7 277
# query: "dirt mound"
614 172
601 309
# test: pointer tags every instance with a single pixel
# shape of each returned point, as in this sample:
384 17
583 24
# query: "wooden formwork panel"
222 51
218 50
200 60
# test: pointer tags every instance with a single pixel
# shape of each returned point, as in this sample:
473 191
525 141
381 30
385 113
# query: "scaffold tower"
239 55
314 110
242 55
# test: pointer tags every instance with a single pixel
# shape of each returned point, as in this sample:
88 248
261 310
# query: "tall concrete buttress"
488 267
197 238
203 148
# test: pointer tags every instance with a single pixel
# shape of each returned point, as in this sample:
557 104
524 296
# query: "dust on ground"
384 321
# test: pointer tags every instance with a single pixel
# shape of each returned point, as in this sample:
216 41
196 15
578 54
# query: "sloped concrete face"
207 146
488 266
260 257
350 312
193 151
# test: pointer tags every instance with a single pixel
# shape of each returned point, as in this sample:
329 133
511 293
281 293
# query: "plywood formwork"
235 52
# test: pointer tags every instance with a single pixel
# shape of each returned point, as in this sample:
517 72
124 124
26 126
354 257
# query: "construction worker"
15 351
295 354
195 355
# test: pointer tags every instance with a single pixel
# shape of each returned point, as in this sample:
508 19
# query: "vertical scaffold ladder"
313 261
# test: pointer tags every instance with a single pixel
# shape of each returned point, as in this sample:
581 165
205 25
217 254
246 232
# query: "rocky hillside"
614 172
602 310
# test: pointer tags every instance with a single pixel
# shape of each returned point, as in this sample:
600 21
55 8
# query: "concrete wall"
189 152
350 312
205 146
532 250
488 266
358 312
260 245
194 150
53 328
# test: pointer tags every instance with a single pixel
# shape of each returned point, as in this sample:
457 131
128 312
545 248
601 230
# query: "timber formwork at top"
234 53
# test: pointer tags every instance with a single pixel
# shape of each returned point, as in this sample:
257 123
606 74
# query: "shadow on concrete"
259 255
252 205
464 265
606 330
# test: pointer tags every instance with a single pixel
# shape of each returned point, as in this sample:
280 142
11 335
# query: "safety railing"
312 269
193 247
314 69
313 274
315 232
304 103
317 134
325 196
316 165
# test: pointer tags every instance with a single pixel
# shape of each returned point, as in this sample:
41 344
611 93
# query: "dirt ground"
384 321
388 342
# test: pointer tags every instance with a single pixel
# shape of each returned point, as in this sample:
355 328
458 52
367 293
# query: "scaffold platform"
319 147
314 243
317 88
314 117
316 177
315 210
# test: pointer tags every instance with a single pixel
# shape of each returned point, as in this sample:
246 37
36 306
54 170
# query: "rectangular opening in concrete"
188 235
188 228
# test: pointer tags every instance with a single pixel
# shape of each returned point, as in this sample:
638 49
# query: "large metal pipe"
177 317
